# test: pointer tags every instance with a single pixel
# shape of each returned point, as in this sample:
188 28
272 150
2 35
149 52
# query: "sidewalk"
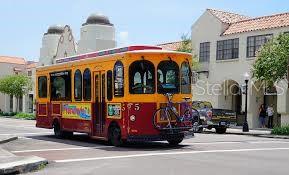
258 132
12 164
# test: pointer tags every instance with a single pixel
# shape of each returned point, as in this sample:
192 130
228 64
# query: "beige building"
14 65
97 33
226 44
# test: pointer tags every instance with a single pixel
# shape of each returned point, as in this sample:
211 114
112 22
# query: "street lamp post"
245 125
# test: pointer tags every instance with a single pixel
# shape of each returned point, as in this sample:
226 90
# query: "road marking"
272 141
26 134
20 126
232 142
60 149
167 153
208 143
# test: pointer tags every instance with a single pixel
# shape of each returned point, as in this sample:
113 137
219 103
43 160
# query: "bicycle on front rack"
168 118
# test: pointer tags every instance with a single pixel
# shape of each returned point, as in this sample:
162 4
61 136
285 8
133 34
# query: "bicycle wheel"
162 119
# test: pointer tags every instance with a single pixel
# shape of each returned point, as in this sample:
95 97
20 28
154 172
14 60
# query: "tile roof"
170 46
31 65
260 23
227 17
12 60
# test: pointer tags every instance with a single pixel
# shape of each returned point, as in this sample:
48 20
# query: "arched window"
60 86
185 78
168 77
141 77
77 85
87 85
118 79
109 85
42 87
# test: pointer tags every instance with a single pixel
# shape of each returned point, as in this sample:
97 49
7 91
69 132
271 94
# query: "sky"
149 22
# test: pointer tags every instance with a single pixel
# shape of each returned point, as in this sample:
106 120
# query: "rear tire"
175 141
221 130
57 130
115 136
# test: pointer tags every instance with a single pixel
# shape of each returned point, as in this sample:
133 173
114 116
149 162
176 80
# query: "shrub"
8 114
26 116
283 130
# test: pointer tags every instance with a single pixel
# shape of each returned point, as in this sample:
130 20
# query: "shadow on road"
85 141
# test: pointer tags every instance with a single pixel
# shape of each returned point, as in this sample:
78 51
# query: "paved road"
204 154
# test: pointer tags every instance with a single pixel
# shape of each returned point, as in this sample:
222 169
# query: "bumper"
161 137
227 124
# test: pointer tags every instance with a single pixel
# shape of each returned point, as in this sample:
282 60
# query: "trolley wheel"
57 130
115 136
175 141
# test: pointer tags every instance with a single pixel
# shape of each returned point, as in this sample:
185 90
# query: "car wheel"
221 130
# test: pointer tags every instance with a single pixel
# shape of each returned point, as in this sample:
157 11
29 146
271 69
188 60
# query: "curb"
23 165
9 139
254 135
274 136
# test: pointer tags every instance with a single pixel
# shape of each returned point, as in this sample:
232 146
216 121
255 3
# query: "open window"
185 78
60 86
141 77
168 77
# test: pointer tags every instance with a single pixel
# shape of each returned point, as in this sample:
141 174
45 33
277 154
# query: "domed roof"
55 29
97 18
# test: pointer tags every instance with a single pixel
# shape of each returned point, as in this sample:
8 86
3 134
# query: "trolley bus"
135 93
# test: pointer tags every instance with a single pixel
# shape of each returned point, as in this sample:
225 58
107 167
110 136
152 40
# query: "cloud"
123 38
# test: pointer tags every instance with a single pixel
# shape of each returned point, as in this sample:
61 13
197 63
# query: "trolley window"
60 86
77 85
168 77
87 85
42 87
185 78
141 77
109 85
118 79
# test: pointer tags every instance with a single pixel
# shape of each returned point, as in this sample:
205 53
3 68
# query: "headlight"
132 118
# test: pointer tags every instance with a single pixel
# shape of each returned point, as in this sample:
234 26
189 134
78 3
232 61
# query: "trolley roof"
94 55
106 52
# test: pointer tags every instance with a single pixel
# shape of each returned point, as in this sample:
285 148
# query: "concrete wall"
66 45
48 49
94 37
8 69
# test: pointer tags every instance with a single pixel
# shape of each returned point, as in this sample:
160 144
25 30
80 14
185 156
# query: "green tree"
272 60
16 85
186 46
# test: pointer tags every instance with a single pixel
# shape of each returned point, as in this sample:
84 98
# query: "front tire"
115 136
175 141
